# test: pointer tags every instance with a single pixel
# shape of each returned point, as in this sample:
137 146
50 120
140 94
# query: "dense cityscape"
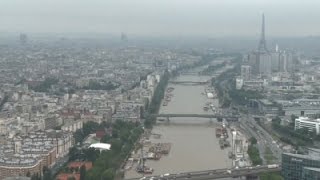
146 108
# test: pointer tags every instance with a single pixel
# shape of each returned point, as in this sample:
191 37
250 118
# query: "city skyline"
159 89
160 18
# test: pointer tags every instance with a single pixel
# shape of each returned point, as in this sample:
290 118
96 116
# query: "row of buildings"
63 85
264 62
259 67
289 86
287 82
32 152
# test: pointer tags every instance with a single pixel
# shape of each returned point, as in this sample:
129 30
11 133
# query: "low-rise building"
310 124
72 125
267 107
30 153
300 107
11 166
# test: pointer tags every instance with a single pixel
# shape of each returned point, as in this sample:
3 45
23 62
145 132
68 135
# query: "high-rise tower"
262 43
264 55
260 60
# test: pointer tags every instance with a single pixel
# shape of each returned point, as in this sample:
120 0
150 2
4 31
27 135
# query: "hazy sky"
212 18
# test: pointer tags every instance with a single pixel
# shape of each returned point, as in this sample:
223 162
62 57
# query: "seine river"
194 145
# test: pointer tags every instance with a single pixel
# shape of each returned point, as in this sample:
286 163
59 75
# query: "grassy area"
268 156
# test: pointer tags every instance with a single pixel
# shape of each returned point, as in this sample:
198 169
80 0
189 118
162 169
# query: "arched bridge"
196 115
216 174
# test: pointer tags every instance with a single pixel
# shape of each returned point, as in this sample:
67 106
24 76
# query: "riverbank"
155 104
194 148
194 143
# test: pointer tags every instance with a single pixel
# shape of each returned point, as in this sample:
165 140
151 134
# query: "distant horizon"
163 18
130 35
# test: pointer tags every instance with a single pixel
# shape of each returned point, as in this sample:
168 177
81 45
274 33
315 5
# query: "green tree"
67 169
72 169
106 138
47 173
108 174
127 133
276 120
73 152
71 178
78 136
154 105
254 155
116 145
35 177
91 154
253 140
82 172
94 173
89 127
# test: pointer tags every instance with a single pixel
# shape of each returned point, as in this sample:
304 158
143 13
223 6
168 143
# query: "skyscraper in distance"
124 37
275 63
23 38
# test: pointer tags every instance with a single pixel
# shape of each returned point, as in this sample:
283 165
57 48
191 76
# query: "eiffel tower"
262 43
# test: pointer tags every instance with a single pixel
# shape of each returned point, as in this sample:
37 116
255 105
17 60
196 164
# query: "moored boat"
145 170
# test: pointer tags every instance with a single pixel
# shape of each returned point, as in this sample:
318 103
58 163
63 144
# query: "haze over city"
159 90
212 18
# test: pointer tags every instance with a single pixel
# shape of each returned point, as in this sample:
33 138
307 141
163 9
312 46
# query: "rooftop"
103 146
304 156
302 118
313 169
266 102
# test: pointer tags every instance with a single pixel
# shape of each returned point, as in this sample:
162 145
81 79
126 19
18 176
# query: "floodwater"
194 144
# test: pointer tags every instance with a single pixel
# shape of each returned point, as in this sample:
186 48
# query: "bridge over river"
189 82
216 174
197 115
